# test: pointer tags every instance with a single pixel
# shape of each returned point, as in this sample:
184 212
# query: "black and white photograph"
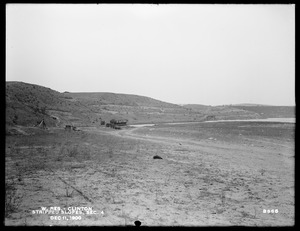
157 115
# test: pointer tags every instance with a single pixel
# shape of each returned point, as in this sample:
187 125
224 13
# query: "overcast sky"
184 54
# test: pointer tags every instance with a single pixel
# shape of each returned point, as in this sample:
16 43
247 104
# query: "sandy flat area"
209 175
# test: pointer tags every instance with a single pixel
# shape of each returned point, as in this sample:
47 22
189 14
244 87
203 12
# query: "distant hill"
106 98
135 108
255 111
248 105
266 111
198 107
27 104
223 112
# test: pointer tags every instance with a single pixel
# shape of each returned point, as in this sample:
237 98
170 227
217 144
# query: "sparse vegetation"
12 199
33 102
100 168
198 181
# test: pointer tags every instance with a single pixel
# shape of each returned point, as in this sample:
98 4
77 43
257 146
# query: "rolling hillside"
223 112
267 111
106 98
247 111
27 104
137 109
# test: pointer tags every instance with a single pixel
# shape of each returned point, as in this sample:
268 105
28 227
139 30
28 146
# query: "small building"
69 127
119 122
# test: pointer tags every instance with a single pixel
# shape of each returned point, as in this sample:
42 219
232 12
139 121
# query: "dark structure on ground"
156 157
116 124
41 124
137 223
119 122
71 127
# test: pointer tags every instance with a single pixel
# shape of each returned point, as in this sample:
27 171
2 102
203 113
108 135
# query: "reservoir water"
280 120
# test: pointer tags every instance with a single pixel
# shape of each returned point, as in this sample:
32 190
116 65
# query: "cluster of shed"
115 124
71 128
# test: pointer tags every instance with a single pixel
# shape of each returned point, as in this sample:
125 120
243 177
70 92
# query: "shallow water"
281 120
141 125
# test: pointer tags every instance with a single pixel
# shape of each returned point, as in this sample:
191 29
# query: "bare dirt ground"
211 174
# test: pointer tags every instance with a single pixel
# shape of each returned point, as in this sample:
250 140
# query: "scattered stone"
137 223
156 157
